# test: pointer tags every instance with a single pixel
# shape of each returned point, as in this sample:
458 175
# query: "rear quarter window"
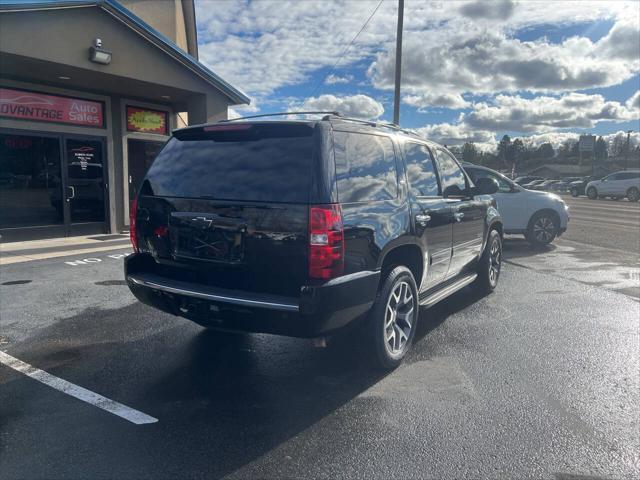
365 167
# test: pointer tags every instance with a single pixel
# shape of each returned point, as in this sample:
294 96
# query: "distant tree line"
515 154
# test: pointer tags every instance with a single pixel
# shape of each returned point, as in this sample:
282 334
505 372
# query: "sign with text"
587 143
50 108
147 121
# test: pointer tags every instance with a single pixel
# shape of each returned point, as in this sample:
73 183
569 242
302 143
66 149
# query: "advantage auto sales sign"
50 108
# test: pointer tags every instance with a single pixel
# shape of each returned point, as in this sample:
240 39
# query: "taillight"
133 214
326 242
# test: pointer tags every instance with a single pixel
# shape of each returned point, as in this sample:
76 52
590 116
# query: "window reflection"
30 181
421 173
365 166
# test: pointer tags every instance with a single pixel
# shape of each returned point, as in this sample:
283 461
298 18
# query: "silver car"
617 185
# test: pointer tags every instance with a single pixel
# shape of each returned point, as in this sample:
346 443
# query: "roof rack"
328 116
335 114
372 123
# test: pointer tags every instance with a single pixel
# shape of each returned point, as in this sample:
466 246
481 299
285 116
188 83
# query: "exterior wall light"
97 54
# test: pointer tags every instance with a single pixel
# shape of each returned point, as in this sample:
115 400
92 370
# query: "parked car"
577 187
527 179
540 216
533 184
625 183
303 228
563 185
543 185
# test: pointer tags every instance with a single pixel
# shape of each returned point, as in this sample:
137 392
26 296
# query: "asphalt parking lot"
538 380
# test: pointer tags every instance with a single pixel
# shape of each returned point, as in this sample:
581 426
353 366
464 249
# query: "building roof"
134 22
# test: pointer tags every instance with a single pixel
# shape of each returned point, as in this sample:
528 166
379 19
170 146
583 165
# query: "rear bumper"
317 311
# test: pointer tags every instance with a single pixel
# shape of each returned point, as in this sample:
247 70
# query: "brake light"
133 214
326 242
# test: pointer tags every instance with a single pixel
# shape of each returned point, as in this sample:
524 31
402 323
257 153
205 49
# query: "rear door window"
365 167
628 175
259 162
421 172
477 173
453 180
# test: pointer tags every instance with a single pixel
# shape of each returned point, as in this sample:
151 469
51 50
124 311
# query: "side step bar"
450 289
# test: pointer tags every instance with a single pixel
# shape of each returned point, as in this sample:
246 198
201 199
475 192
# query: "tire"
391 334
543 229
490 264
592 193
633 194
574 192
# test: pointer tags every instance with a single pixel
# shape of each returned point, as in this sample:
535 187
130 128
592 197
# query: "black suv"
301 228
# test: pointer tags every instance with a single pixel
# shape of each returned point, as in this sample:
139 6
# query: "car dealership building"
89 92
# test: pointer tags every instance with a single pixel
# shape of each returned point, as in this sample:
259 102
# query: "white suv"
540 216
621 184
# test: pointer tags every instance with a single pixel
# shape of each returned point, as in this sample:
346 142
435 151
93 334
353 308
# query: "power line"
344 52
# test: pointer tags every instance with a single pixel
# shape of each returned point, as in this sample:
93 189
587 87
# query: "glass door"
141 154
86 187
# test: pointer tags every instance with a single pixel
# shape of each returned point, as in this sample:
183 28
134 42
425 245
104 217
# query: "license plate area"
207 237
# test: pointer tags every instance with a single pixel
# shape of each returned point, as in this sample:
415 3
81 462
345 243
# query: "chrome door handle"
423 219
458 216
72 191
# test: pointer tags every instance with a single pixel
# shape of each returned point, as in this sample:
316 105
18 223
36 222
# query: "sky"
472 71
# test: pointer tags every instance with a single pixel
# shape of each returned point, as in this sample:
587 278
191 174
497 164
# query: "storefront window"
30 181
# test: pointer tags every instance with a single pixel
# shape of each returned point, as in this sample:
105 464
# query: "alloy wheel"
398 319
495 257
633 194
544 229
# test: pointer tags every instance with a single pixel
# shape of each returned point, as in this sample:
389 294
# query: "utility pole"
396 99
626 150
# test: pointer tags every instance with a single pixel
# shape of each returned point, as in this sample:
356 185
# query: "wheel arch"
409 255
550 211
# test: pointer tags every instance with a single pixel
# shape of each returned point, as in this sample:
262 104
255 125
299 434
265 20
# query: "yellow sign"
139 120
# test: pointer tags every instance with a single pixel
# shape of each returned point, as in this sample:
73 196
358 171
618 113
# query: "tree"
469 153
618 145
545 151
503 149
600 150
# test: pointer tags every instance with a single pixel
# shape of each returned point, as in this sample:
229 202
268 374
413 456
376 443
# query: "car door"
430 212
608 184
512 204
468 212
628 180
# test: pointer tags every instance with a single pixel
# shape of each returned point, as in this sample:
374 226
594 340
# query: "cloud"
487 61
448 51
543 117
634 102
359 106
335 79
492 10
622 41
449 134
573 110
425 101
559 138
262 46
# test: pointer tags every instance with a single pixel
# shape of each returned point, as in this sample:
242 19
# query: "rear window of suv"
255 162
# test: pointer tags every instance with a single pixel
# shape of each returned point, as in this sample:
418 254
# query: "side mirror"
487 186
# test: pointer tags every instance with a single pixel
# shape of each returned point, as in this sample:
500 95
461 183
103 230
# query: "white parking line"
95 399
